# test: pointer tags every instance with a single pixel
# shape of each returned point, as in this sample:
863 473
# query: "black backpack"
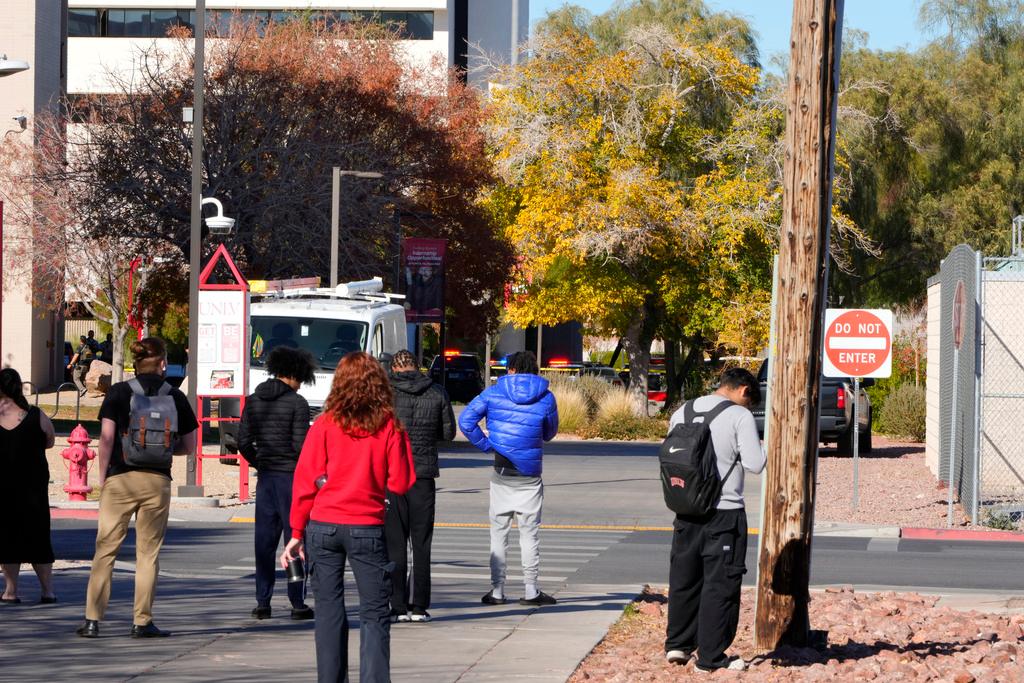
152 433
689 467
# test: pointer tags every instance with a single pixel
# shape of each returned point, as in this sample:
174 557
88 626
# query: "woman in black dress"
25 434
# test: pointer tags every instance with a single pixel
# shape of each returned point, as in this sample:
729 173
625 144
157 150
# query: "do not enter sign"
858 343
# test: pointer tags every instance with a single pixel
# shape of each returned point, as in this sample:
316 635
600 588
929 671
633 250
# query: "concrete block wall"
931 450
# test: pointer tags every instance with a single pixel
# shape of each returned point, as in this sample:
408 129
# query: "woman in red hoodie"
353 452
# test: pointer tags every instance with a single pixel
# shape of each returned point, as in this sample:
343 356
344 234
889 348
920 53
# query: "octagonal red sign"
858 343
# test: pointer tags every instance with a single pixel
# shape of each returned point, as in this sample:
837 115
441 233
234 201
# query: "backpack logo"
675 450
676 481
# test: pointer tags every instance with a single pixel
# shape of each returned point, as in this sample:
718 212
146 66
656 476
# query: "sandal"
48 600
11 601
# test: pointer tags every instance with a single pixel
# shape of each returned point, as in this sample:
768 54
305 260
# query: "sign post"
222 358
959 299
858 344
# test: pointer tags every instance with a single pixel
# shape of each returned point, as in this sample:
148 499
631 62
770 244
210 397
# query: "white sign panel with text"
222 340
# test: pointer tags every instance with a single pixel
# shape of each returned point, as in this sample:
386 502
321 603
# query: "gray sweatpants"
522 498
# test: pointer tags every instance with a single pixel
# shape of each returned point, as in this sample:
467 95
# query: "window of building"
83 22
421 25
145 23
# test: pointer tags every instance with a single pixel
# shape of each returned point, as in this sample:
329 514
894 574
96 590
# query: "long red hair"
360 398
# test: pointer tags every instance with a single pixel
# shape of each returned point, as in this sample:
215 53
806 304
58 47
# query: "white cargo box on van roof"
356 316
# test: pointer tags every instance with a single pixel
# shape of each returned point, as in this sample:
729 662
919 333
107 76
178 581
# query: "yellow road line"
570 527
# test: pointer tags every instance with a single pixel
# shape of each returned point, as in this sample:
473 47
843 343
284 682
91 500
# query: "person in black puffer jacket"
270 436
426 413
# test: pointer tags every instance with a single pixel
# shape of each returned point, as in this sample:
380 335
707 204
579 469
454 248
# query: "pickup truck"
835 421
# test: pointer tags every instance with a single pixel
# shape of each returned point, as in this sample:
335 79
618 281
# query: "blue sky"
890 24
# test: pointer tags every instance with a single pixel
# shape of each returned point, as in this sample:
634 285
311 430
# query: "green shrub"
903 413
999 520
573 411
908 366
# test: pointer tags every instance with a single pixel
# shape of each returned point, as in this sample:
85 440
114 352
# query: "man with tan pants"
128 488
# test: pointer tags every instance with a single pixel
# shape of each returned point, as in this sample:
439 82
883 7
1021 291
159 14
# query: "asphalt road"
588 485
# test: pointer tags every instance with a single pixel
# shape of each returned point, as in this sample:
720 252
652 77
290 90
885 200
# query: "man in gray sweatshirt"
709 552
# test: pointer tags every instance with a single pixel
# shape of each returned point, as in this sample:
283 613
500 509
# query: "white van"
357 316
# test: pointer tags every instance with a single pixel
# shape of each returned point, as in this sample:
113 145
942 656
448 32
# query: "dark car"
835 412
464 378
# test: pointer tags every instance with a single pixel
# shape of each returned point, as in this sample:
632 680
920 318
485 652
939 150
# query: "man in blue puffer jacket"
521 415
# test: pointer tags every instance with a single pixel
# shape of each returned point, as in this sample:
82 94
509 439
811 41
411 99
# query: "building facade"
34 31
108 35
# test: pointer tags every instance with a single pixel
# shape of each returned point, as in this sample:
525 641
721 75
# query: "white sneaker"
419 616
735 664
400 618
678 656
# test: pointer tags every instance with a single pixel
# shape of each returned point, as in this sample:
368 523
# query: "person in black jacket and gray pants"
426 413
270 436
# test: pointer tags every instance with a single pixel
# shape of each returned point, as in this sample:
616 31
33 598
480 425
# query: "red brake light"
451 353
840 397
556 362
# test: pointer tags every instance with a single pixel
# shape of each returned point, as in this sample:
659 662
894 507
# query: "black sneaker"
489 599
261 613
539 600
398 617
302 613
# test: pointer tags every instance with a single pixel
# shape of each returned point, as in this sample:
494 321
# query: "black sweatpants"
410 518
707 567
273 505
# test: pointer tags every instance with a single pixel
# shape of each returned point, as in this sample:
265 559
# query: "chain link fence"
958 372
1000 440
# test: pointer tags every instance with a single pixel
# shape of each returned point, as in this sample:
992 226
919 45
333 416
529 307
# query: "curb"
197 501
922 534
75 504
834 530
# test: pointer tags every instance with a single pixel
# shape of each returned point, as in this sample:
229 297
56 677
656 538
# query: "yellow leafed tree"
635 187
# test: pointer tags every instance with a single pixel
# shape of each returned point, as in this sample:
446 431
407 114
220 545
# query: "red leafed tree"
284 103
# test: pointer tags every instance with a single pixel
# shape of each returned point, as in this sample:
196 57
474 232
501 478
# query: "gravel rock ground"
895 488
871 637
219 480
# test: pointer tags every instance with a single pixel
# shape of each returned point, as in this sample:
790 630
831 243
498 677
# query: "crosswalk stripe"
485 547
544 576
487 577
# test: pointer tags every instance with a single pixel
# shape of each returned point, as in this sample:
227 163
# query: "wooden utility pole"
792 446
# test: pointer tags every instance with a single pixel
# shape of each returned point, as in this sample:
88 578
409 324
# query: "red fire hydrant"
78 456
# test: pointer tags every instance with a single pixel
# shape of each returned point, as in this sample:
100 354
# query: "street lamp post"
336 213
8 67
190 489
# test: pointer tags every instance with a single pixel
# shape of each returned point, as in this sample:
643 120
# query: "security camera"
21 121
220 225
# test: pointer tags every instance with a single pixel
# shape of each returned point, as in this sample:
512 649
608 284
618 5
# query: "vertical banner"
423 268
220 358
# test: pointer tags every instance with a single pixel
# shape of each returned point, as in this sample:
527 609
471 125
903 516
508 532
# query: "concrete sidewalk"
216 640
